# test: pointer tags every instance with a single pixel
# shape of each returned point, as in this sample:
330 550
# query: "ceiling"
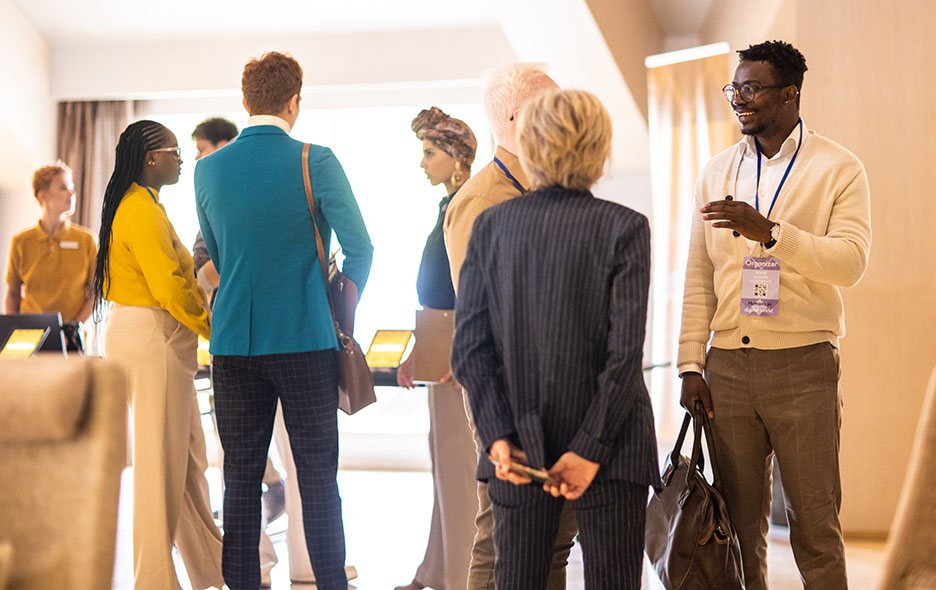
66 23
680 17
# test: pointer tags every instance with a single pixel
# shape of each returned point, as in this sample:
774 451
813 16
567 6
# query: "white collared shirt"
772 170
255 120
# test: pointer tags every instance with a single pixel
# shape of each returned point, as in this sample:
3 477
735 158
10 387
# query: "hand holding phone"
519 465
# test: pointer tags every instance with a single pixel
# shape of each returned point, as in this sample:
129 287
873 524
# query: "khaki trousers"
170 493
454 491
785 403
483 556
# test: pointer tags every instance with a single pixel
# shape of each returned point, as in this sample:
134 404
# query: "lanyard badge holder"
760 275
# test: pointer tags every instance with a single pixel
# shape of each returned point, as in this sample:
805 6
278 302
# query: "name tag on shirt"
760 286
68 245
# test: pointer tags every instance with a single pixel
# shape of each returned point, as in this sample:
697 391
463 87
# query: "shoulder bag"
689 539
355 382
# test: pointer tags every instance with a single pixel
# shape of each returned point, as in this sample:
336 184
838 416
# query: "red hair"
268 83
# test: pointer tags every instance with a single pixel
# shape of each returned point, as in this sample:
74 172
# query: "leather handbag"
689 539
355 382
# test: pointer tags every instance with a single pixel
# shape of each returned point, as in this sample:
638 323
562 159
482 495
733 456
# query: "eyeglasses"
175 151
747 92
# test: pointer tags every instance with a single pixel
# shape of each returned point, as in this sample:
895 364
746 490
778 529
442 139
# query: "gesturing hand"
574 475
738 216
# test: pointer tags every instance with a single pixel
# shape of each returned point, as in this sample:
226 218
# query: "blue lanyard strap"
515 182
150 191
785 174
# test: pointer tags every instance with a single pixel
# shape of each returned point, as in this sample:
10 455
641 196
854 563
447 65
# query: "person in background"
760 352
274 340
156 313
209 135
550 322
507 89
448 147
52 265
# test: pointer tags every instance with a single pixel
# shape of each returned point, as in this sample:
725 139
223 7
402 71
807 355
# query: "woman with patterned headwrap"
448 151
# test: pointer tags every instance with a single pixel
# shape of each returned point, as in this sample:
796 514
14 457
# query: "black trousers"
246 391
610 514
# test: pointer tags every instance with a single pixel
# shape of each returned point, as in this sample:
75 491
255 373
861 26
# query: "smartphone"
537 475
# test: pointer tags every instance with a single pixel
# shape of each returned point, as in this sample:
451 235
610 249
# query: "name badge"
760 286
68 245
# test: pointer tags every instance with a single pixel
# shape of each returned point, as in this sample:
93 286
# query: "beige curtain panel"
689 122
88 134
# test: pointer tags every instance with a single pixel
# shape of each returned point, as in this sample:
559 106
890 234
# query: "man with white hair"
507 89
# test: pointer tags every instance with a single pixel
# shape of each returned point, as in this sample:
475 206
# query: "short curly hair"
43 177
564 139
215 130
787 62
268 83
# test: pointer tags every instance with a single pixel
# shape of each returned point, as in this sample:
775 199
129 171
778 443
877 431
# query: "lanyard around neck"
785 174
150 191
515 182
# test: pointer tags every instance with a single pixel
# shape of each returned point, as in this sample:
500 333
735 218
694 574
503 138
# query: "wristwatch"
774 236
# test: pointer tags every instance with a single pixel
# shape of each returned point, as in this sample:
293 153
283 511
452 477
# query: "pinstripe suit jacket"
550 321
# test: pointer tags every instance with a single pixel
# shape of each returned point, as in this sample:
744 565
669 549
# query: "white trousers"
170 493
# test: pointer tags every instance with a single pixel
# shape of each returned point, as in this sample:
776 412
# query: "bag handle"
307 181
700 423
702 416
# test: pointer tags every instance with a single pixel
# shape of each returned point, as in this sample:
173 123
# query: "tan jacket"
487 188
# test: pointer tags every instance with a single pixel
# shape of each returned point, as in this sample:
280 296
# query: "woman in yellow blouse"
156 313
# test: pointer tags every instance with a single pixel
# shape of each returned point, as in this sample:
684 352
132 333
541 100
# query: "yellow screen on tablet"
387 348
204 357
22 343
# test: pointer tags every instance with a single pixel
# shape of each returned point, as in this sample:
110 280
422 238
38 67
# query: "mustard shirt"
149 266
55 271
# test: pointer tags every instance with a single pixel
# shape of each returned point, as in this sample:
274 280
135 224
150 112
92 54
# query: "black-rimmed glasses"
746 91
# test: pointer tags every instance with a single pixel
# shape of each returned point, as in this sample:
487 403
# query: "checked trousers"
246 393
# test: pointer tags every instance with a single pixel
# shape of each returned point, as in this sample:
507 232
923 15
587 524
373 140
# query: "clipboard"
432 352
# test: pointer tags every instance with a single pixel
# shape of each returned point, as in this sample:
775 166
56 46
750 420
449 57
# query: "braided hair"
137 139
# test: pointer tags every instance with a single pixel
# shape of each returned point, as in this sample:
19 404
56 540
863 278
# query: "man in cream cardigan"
783 223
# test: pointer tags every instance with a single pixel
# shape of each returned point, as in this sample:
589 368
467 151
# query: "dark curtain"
88 132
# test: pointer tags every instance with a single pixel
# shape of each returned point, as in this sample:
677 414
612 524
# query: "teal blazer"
253 214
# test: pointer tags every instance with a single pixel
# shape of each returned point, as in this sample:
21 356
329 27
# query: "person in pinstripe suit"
549 331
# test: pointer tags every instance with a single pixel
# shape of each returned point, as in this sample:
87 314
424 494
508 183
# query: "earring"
458 176
152 162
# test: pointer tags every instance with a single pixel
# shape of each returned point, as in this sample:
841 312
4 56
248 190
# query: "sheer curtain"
88 133
690 121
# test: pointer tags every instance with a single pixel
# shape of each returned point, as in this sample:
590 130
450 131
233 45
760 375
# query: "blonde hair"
564 138
506 89
43 177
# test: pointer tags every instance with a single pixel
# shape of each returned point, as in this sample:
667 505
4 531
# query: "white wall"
27 121
196 68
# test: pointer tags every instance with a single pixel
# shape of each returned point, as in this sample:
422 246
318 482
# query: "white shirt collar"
786 148
255 120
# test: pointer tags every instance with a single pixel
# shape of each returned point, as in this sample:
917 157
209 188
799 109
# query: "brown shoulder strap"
311 200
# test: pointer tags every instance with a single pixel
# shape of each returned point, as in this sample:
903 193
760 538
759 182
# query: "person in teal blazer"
254 216
272 335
